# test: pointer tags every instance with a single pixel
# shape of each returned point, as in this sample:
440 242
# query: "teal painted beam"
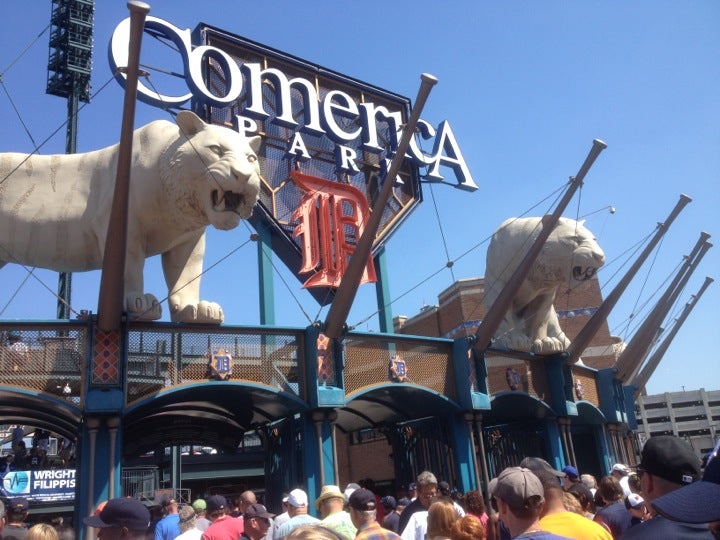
554 444
265 276
327 453
312 462
382 292
468 397
463 454
557 385
602 449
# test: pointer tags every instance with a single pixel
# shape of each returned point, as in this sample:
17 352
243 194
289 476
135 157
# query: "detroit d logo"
330 219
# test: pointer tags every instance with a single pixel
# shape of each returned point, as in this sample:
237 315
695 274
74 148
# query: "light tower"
69 68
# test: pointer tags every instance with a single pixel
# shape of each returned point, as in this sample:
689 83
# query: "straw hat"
329 492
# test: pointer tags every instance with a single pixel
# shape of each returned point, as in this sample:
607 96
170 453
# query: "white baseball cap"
297 498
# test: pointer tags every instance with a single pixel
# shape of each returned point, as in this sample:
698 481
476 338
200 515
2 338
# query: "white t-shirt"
190 534
416 529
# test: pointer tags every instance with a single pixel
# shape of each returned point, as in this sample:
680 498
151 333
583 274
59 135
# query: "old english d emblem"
331 217
220 365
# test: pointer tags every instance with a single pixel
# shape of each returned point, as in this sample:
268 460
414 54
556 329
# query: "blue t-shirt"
168 527
293 523
616 517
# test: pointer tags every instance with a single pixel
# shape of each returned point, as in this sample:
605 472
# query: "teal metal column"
99 478
463 453
382 293
559 379
265 276
602 449
554 444
176 467
312 459
319 453
327 447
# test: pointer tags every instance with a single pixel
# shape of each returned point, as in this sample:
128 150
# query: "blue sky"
526 87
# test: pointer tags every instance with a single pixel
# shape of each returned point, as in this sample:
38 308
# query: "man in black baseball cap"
17 513
697 503
257 521
363 507
667 464
123 518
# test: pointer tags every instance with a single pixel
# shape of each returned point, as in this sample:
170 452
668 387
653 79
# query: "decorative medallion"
397 370
512 378
579 389
220 365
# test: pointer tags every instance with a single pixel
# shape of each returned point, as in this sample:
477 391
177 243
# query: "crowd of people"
13 517
22 458
667 497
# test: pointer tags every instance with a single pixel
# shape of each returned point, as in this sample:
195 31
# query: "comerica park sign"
311 120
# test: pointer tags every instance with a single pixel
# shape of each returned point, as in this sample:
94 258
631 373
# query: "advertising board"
46 485
312 121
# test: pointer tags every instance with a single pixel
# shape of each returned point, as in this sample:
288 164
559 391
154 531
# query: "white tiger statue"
55 209
570 256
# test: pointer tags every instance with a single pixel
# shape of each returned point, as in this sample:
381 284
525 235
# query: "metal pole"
112 290
630 360
591 328
65 278
492 319
644 376
345 295
470 423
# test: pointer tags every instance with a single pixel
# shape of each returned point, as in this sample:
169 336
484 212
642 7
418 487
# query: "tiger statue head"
213 172
569 257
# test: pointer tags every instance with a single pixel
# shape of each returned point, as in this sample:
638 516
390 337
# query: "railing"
428 362
45 357
139 480
54 357
161 356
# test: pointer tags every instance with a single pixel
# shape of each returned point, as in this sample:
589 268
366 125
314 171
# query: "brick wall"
462 302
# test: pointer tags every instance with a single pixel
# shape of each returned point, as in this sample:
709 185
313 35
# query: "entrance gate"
507 445
420 446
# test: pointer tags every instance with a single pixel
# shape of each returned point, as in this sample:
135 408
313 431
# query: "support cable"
9 256
17 112
462 255
217 182
26 49
52 134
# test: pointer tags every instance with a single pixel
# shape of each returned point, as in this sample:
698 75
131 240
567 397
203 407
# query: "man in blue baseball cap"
121 519
571 477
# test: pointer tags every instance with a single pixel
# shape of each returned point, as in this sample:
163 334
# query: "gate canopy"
511 406
208 414
588 414
389 404
40 410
